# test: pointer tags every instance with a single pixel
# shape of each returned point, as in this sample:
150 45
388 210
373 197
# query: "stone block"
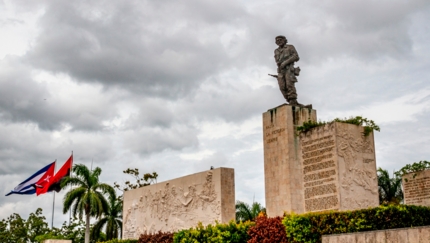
180 203
416 188
282 169
331 167
339 168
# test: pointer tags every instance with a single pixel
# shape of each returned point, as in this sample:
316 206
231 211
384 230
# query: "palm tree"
245 212
88 197
390 190
112 219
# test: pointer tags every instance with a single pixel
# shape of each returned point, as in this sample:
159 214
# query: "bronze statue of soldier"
285 57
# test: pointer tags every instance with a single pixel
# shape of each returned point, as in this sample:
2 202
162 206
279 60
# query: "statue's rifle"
275 76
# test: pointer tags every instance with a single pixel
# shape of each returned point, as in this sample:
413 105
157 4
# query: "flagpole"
70 211
53 205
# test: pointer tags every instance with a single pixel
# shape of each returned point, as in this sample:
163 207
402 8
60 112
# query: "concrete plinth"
416 188
282 168
330 167
180 203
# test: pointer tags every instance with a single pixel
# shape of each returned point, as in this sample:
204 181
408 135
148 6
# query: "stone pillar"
282 168
339 168
330 167
416 188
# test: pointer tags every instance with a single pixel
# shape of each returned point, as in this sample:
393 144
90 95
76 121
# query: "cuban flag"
28 186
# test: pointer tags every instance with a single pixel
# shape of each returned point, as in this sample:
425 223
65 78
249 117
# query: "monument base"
330 167
180 203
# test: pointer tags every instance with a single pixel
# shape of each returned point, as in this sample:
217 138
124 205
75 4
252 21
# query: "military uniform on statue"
285 57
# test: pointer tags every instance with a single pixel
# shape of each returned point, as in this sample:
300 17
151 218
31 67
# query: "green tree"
390 189
88 197
246 212
111 220
36 225
146 180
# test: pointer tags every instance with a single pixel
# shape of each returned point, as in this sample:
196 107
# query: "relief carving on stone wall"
359 172
173 207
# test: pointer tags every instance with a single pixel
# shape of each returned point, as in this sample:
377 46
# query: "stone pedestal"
282 168
416 188
339 168
180 203
330 167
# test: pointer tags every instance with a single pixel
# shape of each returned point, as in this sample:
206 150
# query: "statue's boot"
295 103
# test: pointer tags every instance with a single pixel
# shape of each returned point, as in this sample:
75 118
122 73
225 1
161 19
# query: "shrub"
267 230
231 232
160 237
120 241
311 226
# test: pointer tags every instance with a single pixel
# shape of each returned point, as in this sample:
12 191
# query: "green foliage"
390 189
160 237
119 241
307 126
74 231
88 197
16 229
413 168
111 220
311 226
267 230
231 232
246 212
369 125
146 180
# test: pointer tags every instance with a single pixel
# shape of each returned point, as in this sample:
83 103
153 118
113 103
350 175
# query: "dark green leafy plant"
390 188
413 168
146 180
311 226
369 125
246 212
88 198
307 126
118 241
231 232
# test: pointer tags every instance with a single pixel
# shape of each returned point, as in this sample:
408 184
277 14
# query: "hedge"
232 232
310 227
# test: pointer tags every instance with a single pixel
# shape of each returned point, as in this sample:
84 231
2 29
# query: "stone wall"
330 167
404 235
416 188
339 168
180 203
282 168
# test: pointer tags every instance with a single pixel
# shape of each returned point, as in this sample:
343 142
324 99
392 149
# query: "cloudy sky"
178 86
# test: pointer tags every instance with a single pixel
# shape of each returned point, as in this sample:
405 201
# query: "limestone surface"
180 203
416 188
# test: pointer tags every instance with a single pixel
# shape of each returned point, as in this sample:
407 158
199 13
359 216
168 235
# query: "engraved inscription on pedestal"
416 188
282 169
339 169
320 169
180 203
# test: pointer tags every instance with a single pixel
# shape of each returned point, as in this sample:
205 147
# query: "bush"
231 232
311 226
119 241
159 237
267 230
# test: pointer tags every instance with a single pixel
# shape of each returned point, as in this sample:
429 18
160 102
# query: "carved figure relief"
174 207
359 171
